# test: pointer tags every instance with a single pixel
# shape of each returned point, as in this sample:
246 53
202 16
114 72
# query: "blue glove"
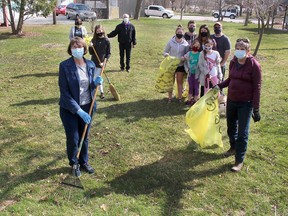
98 80
84 115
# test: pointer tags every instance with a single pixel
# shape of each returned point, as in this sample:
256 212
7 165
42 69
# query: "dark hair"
208 32
95 36
190 22
78 41
78 21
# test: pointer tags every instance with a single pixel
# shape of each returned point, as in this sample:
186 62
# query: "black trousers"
125 48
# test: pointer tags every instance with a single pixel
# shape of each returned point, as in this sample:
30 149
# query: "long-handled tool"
90 112
75 181
111 86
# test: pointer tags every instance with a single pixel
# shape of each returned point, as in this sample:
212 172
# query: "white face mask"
126 20
240 54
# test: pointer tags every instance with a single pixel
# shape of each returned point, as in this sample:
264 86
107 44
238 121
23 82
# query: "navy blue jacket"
69 84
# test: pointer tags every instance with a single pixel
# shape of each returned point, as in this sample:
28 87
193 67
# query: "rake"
111 86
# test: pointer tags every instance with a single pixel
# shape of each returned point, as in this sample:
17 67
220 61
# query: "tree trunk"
181 15
138 9
21 17
54 17
247 17
260 37
12 22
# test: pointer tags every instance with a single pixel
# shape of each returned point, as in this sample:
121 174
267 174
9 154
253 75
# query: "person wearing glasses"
243 100
78 30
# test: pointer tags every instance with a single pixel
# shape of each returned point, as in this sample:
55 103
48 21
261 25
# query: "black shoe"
102 96
128 70
122 69
76 170
87 168
230 152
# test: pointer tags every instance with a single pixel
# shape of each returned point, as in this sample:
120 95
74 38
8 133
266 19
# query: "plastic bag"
204 121
165 77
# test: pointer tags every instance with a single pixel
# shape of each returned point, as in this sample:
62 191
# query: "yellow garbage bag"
204 121
87 40
165 76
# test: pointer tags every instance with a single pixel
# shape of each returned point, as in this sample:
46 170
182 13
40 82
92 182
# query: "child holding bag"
209 72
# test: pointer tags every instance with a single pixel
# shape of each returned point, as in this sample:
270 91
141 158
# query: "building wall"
127 6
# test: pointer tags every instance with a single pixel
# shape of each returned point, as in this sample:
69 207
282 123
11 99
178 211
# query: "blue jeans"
74 127
238 116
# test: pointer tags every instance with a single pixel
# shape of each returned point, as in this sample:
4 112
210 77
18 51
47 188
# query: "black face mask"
192 29
179 36
100 34
204 34
217 30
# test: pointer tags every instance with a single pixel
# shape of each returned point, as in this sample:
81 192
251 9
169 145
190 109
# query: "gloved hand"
256 115
84 115
91 44
101 64
98 80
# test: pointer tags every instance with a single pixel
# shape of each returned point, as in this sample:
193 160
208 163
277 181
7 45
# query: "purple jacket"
244 81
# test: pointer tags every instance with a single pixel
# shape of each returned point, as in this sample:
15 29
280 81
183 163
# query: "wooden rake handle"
90 112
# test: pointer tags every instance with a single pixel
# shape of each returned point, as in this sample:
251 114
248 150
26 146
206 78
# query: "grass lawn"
145 163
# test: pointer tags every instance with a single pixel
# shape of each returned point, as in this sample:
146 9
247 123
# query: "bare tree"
26 9
138 9
263 9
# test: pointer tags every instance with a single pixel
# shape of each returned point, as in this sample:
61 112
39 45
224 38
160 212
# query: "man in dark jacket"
126 38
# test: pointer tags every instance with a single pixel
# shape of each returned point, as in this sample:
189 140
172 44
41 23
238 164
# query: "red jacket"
244 81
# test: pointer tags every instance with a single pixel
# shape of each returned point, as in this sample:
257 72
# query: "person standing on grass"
243 100
190 36
78 30
127 39
191 59
177 47
222 45
77 88
209 73
101 45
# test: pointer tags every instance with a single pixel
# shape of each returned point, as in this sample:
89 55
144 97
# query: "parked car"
61 9
157 10
232 13
78 10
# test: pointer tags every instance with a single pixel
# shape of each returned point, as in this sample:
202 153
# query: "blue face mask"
240 54
78 53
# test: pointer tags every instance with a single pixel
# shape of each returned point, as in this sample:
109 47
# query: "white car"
159 11
231 13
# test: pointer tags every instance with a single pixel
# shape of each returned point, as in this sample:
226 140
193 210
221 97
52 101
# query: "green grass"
145 163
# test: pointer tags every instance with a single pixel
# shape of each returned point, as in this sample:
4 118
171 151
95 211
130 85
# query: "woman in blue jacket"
77 89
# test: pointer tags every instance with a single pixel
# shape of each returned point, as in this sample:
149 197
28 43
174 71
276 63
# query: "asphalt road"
61 19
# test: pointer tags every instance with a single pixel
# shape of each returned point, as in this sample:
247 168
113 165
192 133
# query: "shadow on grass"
8 35
134 111
40 173
266 31
165 179
37 102
40 75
